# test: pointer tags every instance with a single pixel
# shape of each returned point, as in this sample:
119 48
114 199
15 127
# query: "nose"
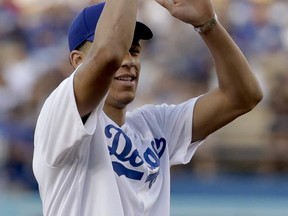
129 61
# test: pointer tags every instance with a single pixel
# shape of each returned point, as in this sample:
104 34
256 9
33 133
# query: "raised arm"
238 90
101 59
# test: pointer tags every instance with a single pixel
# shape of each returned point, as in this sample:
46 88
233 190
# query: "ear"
76 58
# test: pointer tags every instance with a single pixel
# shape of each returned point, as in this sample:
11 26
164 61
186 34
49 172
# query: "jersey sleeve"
60 131
175 122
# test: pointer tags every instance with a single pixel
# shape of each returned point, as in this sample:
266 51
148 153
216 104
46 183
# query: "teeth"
125 78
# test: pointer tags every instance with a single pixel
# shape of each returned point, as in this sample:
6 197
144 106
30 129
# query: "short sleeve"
175 122
59 130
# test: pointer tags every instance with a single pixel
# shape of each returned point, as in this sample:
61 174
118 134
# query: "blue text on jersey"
124 152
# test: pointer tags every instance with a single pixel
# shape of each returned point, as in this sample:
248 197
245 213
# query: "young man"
93 158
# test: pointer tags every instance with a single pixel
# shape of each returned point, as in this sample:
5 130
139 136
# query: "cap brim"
142 32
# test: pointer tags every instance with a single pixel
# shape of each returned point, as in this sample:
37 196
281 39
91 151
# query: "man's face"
125 82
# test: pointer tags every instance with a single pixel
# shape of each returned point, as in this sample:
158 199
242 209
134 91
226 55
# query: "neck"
115 114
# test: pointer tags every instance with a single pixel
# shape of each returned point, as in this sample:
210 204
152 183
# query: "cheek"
138 65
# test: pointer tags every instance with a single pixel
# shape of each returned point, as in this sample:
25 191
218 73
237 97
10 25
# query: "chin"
120 102
126 101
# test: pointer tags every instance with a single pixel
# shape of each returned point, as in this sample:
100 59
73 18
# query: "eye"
135 51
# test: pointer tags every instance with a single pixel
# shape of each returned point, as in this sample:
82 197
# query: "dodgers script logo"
125 153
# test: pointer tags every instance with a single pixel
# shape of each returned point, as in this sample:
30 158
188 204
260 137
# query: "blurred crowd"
176 66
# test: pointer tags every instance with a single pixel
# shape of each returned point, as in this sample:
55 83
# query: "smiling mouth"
126 78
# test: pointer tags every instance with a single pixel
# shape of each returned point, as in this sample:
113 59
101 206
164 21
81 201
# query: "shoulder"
151 109
148 109
158 113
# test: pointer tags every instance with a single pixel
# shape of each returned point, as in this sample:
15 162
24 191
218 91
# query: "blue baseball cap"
83 27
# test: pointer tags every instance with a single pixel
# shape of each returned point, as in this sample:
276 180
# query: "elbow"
113 61
246 100
109 57
258 97
253 99
116 54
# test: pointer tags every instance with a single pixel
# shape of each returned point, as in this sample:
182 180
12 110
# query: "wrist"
206 27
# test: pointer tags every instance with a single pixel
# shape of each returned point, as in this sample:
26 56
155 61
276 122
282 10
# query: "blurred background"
241 170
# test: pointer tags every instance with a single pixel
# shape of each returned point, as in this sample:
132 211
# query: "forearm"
112 40
238 90
116 26
235 78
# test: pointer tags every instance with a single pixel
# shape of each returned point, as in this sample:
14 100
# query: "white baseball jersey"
101 169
